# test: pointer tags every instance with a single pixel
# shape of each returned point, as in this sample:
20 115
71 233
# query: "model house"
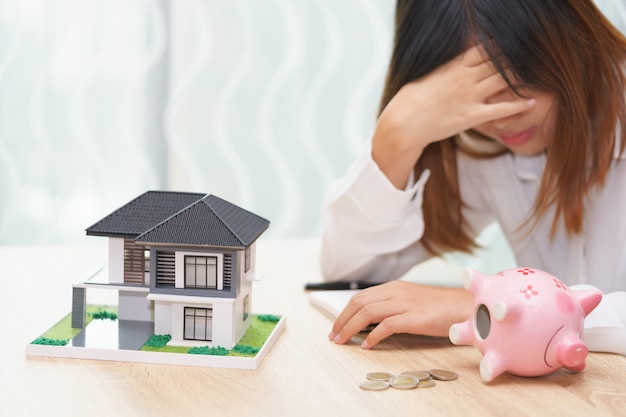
184 261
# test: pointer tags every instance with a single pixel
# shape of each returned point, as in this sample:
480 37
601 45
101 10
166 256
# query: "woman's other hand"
402 307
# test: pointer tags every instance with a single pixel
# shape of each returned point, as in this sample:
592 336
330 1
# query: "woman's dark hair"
566 48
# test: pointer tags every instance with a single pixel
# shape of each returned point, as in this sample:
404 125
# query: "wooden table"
303 375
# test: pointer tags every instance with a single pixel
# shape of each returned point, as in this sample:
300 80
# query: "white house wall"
162 317
245 289
241 255
116 260
227 324
239 325
134 305
245 283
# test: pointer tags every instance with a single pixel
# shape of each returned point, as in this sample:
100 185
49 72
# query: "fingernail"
337 338
331 335
531 102
365 345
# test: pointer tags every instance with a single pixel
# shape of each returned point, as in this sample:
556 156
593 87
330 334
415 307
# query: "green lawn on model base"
63 330
261 326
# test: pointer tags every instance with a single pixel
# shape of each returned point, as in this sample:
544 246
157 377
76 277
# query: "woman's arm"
371 229
372 217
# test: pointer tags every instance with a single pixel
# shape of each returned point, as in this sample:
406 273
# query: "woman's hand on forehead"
475 55
453 98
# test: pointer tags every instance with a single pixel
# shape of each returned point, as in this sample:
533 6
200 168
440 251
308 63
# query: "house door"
198 324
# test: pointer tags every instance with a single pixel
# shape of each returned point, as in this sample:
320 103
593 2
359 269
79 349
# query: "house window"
200 272
247 259
198 324
134 262
246 307
146 255
165 268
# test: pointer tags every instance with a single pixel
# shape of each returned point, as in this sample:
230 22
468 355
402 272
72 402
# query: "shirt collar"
529 168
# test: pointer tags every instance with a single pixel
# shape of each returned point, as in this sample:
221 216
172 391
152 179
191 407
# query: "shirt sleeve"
371 229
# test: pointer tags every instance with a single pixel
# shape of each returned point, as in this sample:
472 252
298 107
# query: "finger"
494 81
505 109
492 85
370 314
356 303
415 322
483 67
402 323
474 56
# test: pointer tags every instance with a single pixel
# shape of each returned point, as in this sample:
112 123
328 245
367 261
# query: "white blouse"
372 230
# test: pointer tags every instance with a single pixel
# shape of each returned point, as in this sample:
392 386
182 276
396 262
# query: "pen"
339 285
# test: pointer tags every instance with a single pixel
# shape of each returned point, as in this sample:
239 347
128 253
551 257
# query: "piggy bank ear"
468 275
588 299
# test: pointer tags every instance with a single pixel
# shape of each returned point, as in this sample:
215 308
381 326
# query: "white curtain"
261 102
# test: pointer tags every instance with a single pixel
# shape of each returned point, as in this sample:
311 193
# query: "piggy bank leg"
572 353
461 333
491 366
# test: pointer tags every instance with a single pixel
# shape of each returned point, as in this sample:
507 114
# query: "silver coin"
421 375
379 376
426 383
404 382
443 375
374 385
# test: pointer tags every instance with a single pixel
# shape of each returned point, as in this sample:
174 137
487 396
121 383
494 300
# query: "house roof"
182 218
142 213
210 221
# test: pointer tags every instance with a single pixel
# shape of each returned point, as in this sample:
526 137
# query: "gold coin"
443 375
379 376
426 383
421 375
374 385
403 382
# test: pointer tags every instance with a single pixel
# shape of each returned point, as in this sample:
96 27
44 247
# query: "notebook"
331 303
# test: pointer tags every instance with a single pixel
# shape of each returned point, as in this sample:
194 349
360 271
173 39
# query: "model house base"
165 358
182 265
121 341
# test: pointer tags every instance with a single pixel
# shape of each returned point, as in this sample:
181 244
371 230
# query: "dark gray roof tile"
169 217
142 213
210 221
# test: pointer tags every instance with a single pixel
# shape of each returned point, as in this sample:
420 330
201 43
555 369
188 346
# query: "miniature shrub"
246 350
268 317
50 342
103 315
158 340
205 350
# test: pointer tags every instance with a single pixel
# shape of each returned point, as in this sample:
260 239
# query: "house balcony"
131 300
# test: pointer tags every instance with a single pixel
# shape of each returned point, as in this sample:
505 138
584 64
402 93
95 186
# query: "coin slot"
482 322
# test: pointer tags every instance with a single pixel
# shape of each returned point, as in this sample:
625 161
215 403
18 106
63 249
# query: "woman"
492 111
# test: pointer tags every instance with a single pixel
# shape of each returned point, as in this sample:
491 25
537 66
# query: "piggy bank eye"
482 322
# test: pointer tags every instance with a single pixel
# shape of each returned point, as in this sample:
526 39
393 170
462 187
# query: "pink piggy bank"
525 322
